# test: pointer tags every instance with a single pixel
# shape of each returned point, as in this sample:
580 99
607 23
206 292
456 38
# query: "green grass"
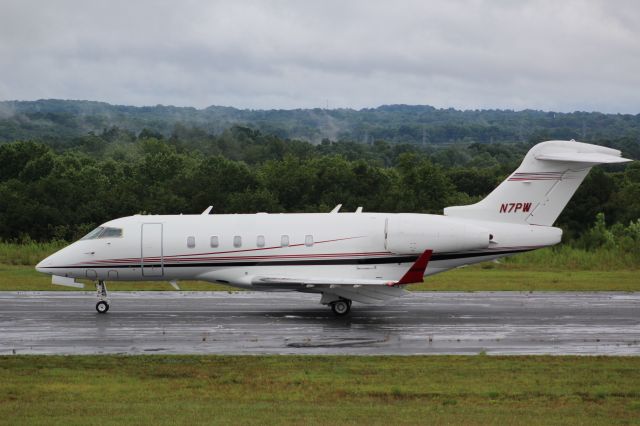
485 277
26 278
562 268
29 253
565 257
561 256
319 390
504 279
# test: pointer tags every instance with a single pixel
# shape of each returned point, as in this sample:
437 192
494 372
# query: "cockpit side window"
111 233
93 234
103 232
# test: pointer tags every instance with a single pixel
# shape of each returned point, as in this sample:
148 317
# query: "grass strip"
486 277
319 390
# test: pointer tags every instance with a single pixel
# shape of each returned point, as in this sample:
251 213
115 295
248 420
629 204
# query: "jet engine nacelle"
415 233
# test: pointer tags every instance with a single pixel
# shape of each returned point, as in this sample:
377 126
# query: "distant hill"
52 119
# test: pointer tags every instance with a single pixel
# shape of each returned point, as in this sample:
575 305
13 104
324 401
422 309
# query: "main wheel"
341 307
102 307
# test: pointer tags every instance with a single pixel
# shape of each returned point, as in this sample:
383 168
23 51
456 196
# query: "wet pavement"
294 323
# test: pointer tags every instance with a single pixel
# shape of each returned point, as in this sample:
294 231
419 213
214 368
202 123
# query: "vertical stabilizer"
538 191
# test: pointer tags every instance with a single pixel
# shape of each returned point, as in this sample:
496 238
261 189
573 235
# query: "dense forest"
60 120
61 187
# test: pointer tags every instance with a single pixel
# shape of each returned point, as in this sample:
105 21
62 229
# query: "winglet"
415 274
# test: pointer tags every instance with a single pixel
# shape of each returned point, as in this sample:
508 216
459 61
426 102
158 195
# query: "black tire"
102 307
341 307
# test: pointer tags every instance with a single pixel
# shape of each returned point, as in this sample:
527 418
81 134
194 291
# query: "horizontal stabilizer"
582 157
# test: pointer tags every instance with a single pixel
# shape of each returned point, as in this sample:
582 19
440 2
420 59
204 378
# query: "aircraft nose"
40 266
44 265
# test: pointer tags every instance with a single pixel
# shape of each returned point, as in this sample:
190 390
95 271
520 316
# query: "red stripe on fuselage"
275 257
172 257
239 258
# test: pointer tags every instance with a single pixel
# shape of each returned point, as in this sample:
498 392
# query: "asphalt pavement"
601 323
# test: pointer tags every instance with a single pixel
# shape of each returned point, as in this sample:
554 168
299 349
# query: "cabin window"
284 240
308 240
191 242
214 241
260 241
237 241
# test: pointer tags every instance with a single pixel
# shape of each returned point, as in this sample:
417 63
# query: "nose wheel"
341 307
102 307
103 297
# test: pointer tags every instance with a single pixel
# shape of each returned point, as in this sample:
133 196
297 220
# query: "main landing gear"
341 307
103 297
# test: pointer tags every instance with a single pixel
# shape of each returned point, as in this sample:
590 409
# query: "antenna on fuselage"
336 209
359 209
207 210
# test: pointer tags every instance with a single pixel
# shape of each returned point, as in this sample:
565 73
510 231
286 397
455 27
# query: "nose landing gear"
103 297
102 307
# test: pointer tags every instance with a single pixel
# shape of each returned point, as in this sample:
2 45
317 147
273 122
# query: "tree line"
59 120
62 190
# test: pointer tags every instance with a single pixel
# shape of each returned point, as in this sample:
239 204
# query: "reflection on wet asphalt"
292 323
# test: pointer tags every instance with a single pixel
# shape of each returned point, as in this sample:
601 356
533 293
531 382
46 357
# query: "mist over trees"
59 120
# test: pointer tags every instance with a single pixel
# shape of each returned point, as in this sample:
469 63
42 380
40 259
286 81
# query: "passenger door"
151 251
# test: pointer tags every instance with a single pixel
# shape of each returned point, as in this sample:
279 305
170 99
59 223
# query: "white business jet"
344 257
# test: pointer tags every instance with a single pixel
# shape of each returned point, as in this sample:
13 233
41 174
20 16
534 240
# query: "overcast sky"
551 55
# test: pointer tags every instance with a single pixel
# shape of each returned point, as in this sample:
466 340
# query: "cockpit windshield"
103 232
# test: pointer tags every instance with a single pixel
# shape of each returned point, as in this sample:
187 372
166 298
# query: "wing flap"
312 282
363 291
367 295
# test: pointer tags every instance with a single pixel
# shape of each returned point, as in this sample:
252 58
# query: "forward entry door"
152 261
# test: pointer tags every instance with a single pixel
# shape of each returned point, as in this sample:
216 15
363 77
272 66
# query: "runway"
293 323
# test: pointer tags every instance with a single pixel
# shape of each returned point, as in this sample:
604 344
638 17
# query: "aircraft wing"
360 290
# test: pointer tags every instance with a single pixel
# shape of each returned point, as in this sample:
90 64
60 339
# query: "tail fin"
537 192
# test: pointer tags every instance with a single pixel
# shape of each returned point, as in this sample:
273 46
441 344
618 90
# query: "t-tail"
538 191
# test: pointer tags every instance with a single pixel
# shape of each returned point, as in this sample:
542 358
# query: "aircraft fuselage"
234 248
